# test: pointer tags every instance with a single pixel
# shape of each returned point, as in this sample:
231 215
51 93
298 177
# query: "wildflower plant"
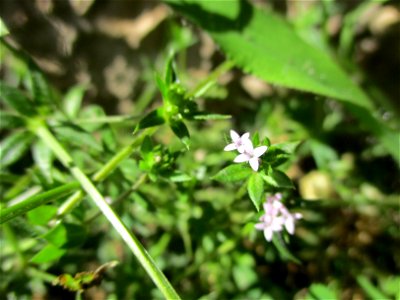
153 201
263 176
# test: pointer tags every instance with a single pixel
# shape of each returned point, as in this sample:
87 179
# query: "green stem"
133 243
32 202
210 79
106 170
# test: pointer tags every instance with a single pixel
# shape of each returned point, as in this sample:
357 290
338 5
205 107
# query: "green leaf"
323 154
283 250
15 99
255 188
278 179
321 292
232 173
162 86
207 116
73 99
265 45
92 112
288 147
178 176
181 131
43 157
75 135
170 75
11 212
66 235
3 29
49 253
40 89
10 120
13 147
147 146
278 55
154 118
42 214
369 288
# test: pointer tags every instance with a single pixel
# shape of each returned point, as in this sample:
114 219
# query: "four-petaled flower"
276 217
251 155
239 143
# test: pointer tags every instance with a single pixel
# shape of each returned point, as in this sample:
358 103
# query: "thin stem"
133 243
210 79
32 202
106 170
123 196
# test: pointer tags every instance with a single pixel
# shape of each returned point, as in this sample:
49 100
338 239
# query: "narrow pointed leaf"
15 99
10 121
181 131
14 147
11 212
154 118
255 188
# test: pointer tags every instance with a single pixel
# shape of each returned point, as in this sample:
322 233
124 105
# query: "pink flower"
251 155
239 143
276 216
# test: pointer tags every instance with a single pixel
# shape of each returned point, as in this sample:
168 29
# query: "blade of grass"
30 203
132 242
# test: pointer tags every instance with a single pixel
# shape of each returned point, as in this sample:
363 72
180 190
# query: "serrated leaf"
73 99
15 99
13 147
278 179
264 44
278 55
154 118
255 188
49 253
10 121
233 173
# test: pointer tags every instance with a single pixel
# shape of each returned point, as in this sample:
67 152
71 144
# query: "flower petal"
230 147
254 163
268 234
234 135
259 226
241 158
245 136
289 224
259 151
